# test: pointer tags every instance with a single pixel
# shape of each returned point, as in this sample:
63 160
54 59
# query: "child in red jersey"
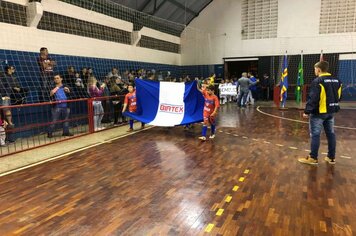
210 111
130 101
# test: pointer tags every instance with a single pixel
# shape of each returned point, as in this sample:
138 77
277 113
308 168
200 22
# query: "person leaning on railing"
59 110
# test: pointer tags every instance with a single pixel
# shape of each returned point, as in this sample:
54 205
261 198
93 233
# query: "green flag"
300 82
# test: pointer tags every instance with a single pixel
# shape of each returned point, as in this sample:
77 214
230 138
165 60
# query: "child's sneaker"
330 160
212 136
308 160
202 138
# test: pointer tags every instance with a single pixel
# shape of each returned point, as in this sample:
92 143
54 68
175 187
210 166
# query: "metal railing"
34 126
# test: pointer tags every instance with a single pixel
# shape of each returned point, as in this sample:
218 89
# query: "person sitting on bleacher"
18 94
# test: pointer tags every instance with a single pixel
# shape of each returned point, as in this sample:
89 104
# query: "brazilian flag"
300 82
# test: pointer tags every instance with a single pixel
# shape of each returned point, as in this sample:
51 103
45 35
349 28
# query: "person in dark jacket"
323 102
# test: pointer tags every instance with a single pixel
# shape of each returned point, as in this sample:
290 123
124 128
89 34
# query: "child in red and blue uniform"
130 101
211 106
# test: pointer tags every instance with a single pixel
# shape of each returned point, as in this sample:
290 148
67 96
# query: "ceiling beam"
158 7
181 6
144 5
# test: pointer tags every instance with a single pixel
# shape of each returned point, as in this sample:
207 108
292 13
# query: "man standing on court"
323 102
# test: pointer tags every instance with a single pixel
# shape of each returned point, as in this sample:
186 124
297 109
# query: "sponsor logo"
170 108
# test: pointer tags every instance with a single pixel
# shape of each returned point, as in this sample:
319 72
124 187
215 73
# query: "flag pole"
301 86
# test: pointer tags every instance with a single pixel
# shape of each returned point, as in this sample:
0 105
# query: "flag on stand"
284 81
300 82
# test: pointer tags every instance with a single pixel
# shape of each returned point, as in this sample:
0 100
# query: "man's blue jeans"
57 113
316 123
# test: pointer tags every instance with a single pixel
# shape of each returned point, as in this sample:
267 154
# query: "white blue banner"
228 90
167 103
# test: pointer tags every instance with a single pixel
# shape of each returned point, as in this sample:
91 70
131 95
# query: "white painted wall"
216 33
21 38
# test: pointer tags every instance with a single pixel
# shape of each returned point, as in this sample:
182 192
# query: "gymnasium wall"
217 33
31 39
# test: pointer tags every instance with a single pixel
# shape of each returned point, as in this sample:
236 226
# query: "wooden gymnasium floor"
163 181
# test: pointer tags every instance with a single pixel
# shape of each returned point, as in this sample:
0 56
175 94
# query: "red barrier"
276 95
34 121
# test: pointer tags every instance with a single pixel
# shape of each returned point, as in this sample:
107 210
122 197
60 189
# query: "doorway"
234 68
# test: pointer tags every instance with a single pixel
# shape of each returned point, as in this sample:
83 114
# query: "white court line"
299 121
244 137
228 133
307 150
346 157
324 153
255 139
294 148
221 131
69 153
280 145
266 142
236 135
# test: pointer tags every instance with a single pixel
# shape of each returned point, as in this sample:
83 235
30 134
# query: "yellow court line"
228 198
241 179
220 212
235 188
209 228
299 121
246 171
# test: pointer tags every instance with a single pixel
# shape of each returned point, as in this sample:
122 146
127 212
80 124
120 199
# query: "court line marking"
69 153
299 121
281 145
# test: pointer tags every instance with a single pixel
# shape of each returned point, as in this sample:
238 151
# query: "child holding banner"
210 111
130 101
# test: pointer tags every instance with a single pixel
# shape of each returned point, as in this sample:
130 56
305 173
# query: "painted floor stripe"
246 171
299 121
221 131
255 139
244 137
324 153
209 228
228 198
307 150
294 148
220 212
241 179
235 188
266 142
279 145
236 135
346 157
228 133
